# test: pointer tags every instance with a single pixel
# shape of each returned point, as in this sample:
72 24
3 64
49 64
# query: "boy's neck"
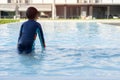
32 19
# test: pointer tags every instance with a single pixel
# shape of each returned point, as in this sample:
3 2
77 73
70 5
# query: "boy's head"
32 13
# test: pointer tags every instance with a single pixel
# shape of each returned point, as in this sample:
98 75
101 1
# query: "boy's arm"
20 34
41 36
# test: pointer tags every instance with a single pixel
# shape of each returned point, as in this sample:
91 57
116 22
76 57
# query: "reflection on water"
32 63
73 48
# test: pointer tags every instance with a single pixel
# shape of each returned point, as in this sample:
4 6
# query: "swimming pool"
86 49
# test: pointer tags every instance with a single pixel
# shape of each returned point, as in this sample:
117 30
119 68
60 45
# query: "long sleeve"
20 34
41 36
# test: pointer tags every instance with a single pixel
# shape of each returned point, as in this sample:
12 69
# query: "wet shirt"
28 33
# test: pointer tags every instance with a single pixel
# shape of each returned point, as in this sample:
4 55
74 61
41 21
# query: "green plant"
4 21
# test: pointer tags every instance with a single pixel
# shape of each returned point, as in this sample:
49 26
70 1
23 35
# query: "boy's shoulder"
38 23
32 22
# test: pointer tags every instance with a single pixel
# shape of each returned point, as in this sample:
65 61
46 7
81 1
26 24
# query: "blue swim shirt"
29 31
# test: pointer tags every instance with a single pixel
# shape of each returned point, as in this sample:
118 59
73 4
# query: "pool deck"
112 23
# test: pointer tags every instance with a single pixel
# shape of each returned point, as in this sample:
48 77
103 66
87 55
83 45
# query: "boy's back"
29 31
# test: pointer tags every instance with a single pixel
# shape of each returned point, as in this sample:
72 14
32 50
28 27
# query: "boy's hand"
44 45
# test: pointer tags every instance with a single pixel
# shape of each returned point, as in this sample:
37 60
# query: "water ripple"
83 49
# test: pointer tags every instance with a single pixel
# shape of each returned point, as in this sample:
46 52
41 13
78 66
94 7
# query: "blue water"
85 49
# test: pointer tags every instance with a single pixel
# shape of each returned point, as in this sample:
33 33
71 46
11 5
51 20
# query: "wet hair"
31 13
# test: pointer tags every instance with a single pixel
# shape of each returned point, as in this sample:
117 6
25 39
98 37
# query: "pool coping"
76 20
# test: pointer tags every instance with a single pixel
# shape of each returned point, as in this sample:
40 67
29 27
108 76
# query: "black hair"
31 13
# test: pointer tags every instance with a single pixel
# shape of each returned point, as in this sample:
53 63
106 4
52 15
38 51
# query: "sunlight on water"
73 48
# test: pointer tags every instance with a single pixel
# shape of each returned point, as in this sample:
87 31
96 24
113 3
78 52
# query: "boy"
29 31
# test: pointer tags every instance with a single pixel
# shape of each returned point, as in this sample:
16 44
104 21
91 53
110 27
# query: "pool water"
85 49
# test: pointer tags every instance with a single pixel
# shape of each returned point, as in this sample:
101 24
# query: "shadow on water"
32 63
34 56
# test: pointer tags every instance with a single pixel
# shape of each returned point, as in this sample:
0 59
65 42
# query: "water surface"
73 49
